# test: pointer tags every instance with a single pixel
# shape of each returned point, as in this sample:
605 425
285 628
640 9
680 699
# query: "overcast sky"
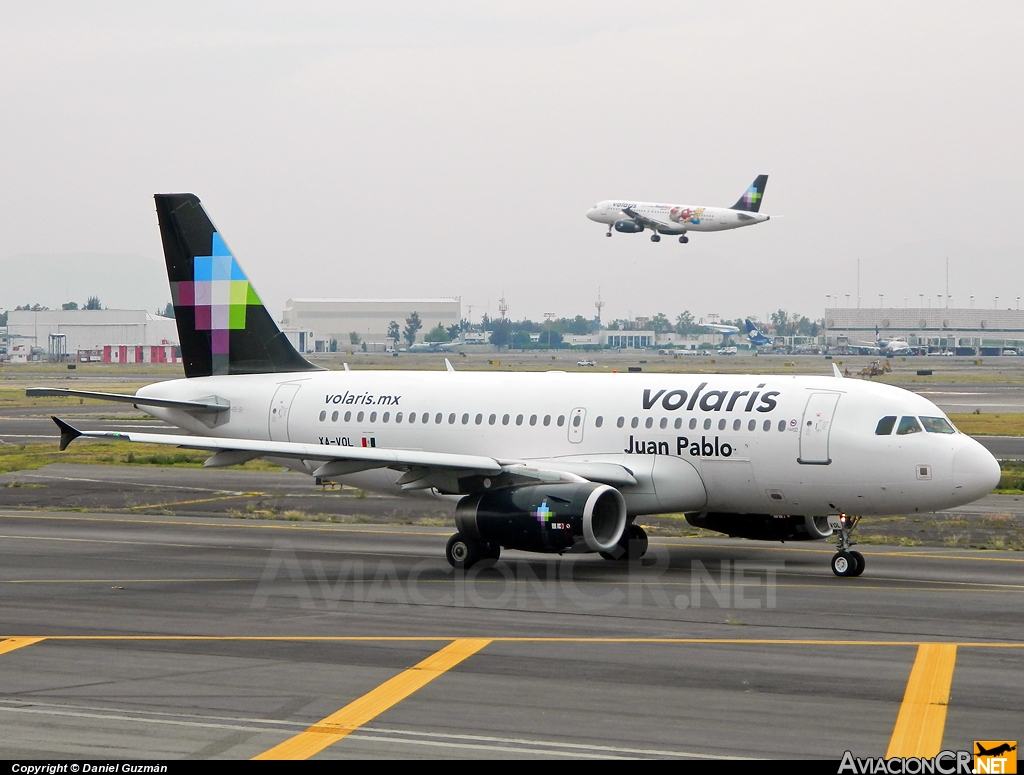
440 149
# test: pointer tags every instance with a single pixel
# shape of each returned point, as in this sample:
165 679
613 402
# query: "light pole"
881 300
549 316
995 303
921 297
972 301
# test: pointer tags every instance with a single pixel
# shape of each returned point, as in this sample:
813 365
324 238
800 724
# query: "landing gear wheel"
684 239
859 559
608 234
655 238
492 552
632 545
463 552
843 564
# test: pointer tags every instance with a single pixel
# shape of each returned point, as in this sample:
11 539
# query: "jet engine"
545 517
629 227
763 527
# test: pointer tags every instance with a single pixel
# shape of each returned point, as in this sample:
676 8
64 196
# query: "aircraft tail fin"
751 199
751 328
222 324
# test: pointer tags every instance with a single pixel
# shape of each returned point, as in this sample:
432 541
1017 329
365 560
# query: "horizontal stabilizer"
192 406
67 433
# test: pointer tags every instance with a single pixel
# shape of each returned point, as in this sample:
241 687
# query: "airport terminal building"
114 335
336 319
935 329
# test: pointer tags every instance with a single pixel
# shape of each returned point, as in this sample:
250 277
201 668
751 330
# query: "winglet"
448 365
67 433
835 370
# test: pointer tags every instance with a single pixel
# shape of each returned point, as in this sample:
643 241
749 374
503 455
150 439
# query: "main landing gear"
846 562
632 545
684 239
464 552
655 237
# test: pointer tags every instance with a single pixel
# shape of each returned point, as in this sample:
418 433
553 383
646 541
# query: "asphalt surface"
183 615
134 610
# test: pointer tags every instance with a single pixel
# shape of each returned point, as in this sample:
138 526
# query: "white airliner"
886 346
546 462
632 217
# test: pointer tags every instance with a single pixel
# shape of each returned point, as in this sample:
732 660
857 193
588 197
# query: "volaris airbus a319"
546 462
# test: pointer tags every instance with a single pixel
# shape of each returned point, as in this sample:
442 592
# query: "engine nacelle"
629 227
764 527
545 517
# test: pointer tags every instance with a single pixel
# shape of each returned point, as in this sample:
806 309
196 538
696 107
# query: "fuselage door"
280 408
815 428
577 419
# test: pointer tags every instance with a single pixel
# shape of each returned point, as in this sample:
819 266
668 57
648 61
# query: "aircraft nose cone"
592 213
975 471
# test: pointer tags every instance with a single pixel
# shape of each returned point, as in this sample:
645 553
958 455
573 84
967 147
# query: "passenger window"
504 419
451 418
385 417
576 421
491 419
479 419
649 423
438 418
465 419
519 419
693 423
398 417
334 417
767 425
412 416
634 422
561 420
620 422
373 417
348 416
426 418
323 416
707 424
359 417
736 424
752 425
908 425
547 420
782 425
663 423
533 419
721 424
937 425
885 426
598 421
679 423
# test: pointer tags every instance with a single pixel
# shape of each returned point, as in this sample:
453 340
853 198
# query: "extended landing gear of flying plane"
464 552
655 237
846 562
609 233
632 545
684 239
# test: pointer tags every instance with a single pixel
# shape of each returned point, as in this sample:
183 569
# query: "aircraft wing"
649 222
448 472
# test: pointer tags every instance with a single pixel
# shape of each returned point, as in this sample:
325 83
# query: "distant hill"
120 281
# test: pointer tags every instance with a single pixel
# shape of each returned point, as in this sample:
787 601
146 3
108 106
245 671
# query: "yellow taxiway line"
922 719
11 644
363 710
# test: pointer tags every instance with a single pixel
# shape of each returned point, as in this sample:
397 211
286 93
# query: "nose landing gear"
846 562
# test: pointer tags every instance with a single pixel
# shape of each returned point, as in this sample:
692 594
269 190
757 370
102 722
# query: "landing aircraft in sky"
630 217
546 462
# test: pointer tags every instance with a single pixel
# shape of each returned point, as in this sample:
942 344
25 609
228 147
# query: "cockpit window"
908 425
937 425
885 426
